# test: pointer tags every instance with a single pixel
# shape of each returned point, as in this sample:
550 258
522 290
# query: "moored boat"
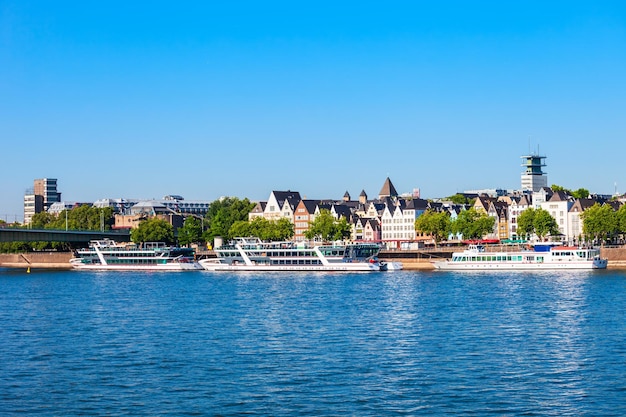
107 255
557 257
252 254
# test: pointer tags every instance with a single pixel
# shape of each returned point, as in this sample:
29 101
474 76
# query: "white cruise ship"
252 254
557 257
107 255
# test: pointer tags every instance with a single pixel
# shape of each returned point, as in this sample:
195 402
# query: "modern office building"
32 204
37 199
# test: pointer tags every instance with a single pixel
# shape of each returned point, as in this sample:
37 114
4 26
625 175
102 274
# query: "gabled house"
276 207
374 210
358 228
304 214
499 211
435 206
341 210
558 206
387 224
257 211
289 208
482 202
575 223
371 230
515 208
398 221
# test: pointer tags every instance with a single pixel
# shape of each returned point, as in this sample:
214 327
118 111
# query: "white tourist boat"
107 255
557 257
252 254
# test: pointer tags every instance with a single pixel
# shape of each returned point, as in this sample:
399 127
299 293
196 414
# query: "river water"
395 343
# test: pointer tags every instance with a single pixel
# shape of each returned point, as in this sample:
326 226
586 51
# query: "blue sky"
205 99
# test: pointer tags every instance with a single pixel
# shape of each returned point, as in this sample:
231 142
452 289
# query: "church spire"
388 190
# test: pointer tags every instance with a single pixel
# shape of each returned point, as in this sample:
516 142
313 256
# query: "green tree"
580 193
544 224
600 222
525 223
472 225
538 222
269 230
15 247
436 224
620 215
244 228
84 217
343 229
191 232
41 220
326 227
281 229
458 198
222 214
153 230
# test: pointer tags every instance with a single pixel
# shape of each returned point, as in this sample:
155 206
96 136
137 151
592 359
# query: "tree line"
228 218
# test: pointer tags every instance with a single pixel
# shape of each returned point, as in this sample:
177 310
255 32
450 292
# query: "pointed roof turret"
346 196
363 197
388 190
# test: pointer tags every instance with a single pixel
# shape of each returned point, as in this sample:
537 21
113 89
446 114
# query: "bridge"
51 235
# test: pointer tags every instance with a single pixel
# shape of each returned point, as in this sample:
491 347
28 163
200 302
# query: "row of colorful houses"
390 218
565 209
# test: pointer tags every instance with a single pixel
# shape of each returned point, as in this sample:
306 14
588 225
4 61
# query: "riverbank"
39 260
411 260
61 260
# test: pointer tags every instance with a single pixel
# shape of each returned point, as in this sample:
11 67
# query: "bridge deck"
48 235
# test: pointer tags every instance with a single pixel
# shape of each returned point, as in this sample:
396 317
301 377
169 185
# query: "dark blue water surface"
396 343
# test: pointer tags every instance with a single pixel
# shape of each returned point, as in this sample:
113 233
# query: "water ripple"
408 343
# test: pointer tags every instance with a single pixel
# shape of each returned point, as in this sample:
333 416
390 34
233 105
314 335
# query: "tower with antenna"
533 178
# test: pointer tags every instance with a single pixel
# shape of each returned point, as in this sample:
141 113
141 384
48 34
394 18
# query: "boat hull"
456 266
394 266
169 267
216 266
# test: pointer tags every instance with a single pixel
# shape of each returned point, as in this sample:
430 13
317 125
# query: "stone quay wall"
49 260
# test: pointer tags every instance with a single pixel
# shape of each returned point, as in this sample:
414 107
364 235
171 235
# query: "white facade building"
398 221
558 206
